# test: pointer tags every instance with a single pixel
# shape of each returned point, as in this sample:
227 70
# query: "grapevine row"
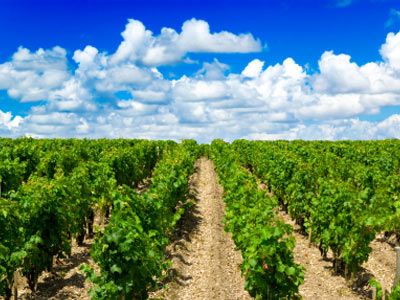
264 240
342 194
50 195
131 250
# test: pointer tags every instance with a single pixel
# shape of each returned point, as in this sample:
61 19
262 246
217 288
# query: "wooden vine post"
397 276
15 282
309 236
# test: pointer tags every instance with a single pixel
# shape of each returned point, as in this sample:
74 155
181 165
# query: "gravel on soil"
205 262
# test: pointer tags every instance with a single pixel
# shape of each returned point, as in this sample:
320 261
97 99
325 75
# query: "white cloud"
339 75
140 45
125 94
33 76
132 108
253 69
151 96
213 71
90 62
196 37
41 60
389 127
187 89
83 127
71 97
8 121
332 107
390 50
136 40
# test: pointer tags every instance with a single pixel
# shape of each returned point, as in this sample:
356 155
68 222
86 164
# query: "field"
138 219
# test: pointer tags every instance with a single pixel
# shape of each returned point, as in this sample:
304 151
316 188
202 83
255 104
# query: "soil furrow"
205 262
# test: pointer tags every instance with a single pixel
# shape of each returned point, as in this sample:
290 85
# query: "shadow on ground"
52 285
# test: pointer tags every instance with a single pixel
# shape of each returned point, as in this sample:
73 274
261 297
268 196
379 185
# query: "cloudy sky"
327 69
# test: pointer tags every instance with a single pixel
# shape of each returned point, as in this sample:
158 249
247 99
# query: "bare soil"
381 262
205 262
65 282
321 282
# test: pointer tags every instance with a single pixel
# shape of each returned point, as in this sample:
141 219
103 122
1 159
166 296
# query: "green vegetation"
264 240
50 196
342 194
130 252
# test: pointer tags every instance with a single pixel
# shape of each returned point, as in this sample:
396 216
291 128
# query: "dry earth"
205 262
65 282
321 282
381 262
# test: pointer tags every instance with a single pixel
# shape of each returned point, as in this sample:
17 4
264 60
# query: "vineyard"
139 201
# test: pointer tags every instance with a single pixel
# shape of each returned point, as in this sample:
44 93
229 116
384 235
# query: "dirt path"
67 281
381 263
205 263
320 282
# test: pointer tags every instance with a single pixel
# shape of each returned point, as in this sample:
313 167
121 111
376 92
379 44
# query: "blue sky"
315 69
300 29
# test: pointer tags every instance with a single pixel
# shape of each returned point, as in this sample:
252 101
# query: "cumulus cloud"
140 44
8 121
213 71
253 69
332 107
125 93
339 75
72 96
188 89
196 37
390 50
32 76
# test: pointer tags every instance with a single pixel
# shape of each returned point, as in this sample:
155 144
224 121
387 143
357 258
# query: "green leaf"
253 262
116 269
290 271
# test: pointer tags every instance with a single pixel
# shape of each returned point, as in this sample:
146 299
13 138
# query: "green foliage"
131 251
50 188
265 241
11 241
11 174
394 294
45 221
341 193
127 255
